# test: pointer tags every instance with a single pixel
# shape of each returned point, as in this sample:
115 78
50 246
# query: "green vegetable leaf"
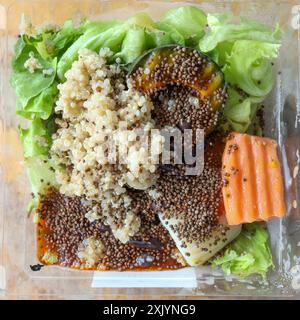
156 38
188 21
176 36
40 106
133 45
41 175
141 19
52 44
19 47
221 29
248 254
28 85
245 51
131 38
249 67
240 109
36 138
221 52
100 35
138 40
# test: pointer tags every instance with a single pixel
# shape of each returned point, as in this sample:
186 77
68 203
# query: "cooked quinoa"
90 251
98 109
32 63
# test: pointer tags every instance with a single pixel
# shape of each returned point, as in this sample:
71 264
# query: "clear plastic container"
282 117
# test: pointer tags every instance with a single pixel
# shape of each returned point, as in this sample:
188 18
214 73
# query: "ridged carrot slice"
248 179
252 181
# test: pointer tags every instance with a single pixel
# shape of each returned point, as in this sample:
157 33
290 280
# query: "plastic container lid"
282 117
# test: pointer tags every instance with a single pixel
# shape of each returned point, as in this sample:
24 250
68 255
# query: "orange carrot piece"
252 181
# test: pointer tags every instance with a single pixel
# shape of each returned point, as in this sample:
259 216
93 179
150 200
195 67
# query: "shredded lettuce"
248 254
41 175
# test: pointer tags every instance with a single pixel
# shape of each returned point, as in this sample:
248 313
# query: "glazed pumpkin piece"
187 80
252 181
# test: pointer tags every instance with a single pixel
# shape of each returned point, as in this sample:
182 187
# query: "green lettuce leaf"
184 23
103 34
222 29
138 40
41 173
19 47
141 19
176 37
28 85
240 110
110 34
220 53
133 45
244 51
128 40
40 106
52 43
248 66
248 254
156 38
36 139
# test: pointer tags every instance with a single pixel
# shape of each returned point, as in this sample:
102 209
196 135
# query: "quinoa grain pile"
97 109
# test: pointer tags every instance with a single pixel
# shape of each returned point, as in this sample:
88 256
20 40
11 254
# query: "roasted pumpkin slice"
193 76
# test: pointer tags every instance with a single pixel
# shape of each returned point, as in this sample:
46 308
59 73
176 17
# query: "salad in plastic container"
145 142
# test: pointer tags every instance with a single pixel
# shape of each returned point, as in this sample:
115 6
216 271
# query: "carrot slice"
252 181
